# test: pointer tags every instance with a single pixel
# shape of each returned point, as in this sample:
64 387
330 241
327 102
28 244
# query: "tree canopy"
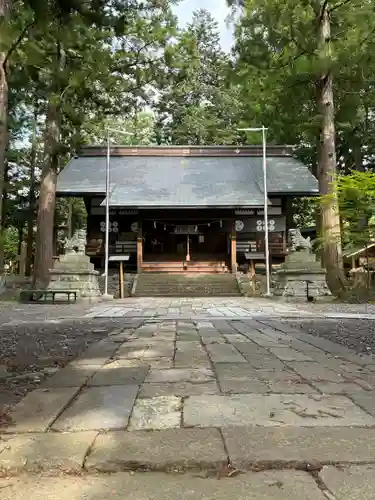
69 70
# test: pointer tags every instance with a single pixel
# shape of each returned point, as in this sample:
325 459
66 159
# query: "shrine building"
186 208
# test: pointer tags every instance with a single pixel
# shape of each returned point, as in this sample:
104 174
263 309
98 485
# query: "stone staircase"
178 267
113 283
186 285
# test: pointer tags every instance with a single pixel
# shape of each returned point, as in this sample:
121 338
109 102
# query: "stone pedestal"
300 267
74 271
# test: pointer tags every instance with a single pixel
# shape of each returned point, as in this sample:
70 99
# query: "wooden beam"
139 247
187 151
233 248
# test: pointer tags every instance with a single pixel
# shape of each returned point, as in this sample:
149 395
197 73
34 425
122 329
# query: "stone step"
181 271
192 263
206 267
190 293
182 285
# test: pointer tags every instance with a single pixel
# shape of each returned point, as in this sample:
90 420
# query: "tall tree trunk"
47 196
330 219
5 8
44 242
3 148
357 155
31 197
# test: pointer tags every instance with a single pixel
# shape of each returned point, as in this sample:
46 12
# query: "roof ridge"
186 151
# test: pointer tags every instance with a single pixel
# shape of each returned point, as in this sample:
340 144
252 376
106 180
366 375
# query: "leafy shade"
356 196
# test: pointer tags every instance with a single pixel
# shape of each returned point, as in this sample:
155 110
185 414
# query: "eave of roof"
195 177
353 253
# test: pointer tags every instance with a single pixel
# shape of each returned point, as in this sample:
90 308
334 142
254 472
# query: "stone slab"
183 346
342 388
249 447
351 483
160 364
270 485
119 372
212 339
280 376
290 387
224 353
251 348
130 351
223 326
187 337
46 452
180 375
289 354
71 376
262 362
99 408
181 389
39 408
236 371
366 400
191 360
236 337
271 410
238 386
315 371
160 351
163 450
96 354
162 412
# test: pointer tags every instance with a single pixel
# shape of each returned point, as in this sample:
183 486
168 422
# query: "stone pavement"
216 397
219 307
192 308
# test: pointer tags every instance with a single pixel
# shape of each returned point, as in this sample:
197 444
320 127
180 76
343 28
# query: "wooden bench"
44 295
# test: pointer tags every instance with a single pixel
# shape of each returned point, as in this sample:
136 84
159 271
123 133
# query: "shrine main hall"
187 208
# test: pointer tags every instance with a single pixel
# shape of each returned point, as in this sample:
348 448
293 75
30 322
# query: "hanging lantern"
165 227
209 225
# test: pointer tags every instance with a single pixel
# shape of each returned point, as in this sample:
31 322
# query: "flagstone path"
246 393
219 307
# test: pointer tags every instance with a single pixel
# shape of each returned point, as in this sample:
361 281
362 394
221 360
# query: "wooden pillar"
121 280
139 247
233 248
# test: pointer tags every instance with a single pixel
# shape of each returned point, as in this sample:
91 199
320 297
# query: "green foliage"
278 61
141 126
11 237
200 105
75 206
356 195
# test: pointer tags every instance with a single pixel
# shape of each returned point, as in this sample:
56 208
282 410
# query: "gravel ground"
15 312
335 307
358 335
31 351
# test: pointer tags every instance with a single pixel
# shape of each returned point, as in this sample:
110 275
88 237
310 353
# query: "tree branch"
16 43
294 58
323 8
338 5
